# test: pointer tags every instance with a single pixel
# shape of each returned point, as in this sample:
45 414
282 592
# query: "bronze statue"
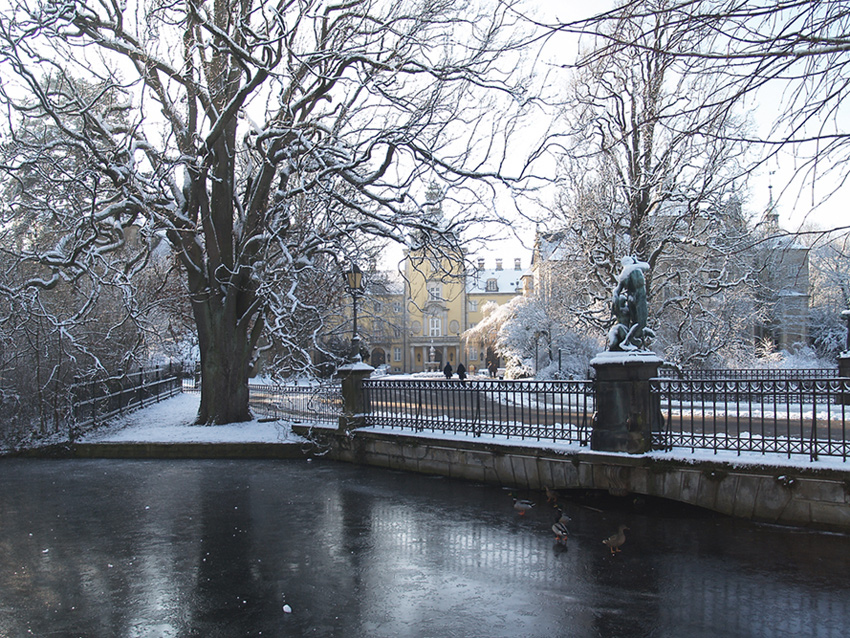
629 308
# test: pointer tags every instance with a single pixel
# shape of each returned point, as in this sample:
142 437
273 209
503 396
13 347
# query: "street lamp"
354 283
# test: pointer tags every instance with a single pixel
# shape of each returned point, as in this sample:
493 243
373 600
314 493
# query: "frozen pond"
162 549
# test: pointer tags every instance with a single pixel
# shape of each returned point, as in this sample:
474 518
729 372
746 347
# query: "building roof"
507 280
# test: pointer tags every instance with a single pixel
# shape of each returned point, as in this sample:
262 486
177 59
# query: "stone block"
414 452
746 495
707 492
585 475
672 485
445 455
773 499
432 466
504 470
640 480
726 492
545 472
796 512
829 514
820 490
689 486
532 472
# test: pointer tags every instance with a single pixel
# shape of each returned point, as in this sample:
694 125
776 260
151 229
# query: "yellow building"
413 320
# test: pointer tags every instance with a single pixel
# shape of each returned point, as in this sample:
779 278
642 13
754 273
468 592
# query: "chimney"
498 264
517 262
481 263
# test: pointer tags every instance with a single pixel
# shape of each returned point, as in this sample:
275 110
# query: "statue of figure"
629 308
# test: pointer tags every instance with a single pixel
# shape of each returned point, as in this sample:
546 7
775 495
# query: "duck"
551 496
560 529
522 506
561 533
615 541
562 517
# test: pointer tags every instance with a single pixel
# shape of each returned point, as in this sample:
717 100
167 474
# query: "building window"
492 285
396 332
379 307
473 353
435 292
473 305
435 325
396 306
396 354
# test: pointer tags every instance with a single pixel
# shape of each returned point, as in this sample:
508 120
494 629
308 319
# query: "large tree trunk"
226 352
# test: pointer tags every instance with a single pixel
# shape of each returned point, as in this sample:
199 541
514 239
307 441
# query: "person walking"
448 371
461 373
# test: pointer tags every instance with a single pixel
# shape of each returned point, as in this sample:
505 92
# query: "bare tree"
648 170
829 267
264 140
791 58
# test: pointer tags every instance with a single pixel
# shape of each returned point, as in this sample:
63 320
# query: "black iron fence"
95 401
786 416
537 410
750 374
306 402
788 412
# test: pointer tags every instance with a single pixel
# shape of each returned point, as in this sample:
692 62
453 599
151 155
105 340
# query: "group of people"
461 372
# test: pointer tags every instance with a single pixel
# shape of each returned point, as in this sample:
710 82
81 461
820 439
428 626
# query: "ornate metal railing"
806 416
312 402
537 410
750 374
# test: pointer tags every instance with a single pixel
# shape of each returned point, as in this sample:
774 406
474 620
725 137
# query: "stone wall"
784 495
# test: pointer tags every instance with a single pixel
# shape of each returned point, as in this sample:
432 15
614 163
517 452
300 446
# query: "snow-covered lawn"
172 421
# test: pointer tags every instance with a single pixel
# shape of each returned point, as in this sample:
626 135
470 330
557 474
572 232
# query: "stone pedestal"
626 411
844 371
353 405
844 364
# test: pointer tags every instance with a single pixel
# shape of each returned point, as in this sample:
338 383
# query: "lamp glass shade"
354 278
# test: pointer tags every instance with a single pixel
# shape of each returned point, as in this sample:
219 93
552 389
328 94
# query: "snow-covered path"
171 421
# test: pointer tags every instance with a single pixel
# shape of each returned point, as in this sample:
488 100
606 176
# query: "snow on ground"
172 421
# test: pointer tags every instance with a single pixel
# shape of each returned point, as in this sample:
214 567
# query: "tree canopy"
266 141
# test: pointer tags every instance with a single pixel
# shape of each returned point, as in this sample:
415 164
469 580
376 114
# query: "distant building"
413 320
782 268
780 310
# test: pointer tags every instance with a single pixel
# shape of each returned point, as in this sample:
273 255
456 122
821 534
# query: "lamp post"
354 283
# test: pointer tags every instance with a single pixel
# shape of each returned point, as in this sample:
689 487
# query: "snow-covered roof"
507 280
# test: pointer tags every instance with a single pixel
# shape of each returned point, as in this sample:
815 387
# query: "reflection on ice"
218 548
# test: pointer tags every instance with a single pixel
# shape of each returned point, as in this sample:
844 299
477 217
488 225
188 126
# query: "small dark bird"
551 496
615 541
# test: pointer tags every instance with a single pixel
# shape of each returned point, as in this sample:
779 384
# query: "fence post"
844 371
353 404
626 410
